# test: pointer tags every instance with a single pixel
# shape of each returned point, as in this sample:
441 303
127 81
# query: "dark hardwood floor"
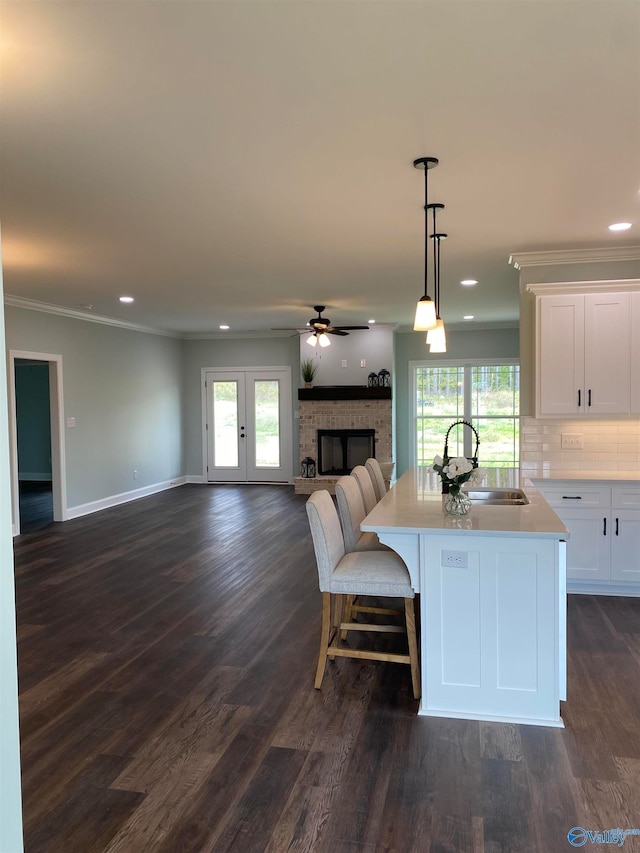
36 505
167 651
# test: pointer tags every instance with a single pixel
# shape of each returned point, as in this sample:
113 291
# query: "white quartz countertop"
416 505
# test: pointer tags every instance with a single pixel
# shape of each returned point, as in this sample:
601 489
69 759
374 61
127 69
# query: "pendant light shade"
312 340
437 333
439 346
425 318
425 315
323 340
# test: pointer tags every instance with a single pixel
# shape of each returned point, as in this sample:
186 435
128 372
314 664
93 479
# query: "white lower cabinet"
603 551
625 546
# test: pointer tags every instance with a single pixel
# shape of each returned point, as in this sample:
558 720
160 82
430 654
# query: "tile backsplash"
607 445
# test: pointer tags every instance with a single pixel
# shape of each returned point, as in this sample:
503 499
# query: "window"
487 395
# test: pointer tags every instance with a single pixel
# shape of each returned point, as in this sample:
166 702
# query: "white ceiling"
238 162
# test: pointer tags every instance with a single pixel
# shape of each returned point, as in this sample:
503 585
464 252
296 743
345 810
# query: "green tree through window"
487 395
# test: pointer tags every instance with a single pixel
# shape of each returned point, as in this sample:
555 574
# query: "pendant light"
436 338
425 318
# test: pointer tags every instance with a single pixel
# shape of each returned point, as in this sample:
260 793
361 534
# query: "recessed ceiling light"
126 299
468 281
371 322
223 326
468 317
620 226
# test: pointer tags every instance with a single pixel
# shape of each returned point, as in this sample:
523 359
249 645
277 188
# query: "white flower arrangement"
458 471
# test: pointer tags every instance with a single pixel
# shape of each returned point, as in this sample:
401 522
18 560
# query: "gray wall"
375 347
124 389
232 352
33 421
463 344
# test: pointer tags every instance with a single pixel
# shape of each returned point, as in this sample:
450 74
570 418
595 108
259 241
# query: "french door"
248 425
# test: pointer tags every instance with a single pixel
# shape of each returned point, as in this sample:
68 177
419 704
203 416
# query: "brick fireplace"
343 407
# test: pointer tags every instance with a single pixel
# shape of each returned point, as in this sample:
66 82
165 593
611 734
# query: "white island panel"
517 635
492 630
461 663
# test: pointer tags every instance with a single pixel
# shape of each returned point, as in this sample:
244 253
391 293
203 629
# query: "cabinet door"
635 353
588 549
560 362
606 354
625 545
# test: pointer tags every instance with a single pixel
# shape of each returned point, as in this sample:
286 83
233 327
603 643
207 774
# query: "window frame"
467 364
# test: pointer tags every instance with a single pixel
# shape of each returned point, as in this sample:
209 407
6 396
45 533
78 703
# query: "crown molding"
520 260
561 288
46 308
468 326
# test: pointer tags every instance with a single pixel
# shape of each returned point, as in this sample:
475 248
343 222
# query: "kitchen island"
492 590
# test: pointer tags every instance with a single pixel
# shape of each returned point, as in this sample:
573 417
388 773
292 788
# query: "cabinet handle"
579 398
604 529
617 523
572 497
589 396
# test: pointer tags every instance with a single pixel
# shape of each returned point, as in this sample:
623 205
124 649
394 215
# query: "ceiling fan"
320 327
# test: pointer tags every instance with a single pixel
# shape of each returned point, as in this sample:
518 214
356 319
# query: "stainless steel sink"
498 497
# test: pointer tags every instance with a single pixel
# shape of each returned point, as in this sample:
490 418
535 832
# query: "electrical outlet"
344 362
135 475
572 441
459 559
363 362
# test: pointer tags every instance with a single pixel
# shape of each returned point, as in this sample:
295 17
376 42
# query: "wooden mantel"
343 392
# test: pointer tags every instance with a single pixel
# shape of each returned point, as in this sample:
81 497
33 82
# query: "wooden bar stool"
358 573
365 482
373 467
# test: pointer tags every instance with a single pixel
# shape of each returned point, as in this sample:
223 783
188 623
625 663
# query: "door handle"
572 497
604 529
579 398
617 526
589 396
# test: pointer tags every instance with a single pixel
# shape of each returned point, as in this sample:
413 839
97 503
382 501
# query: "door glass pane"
267 420
225 424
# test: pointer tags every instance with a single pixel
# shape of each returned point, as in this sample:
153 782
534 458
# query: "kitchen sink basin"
498 497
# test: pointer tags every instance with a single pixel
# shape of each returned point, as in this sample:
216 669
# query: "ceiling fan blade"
350 327
333 331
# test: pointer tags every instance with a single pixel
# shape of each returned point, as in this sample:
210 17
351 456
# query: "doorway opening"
36 435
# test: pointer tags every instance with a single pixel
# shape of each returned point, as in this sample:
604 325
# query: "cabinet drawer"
576 495
625 497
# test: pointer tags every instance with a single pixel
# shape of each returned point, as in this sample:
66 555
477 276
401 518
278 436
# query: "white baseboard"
630 590
123 498
195 478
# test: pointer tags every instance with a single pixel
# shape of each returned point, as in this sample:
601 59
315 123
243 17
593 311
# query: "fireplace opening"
340 450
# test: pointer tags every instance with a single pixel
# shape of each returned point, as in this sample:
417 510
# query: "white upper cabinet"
635 352
583 355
